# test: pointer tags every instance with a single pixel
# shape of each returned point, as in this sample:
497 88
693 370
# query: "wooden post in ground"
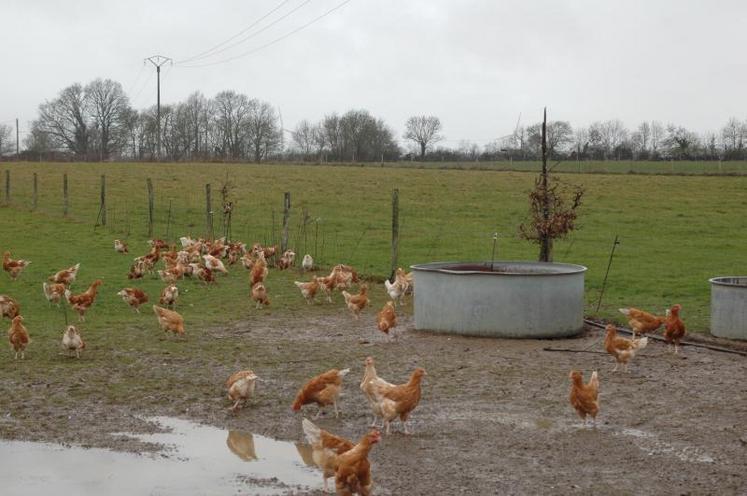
102 206
395 232
65 197
149 183
7 187
208 213
286 219
35 195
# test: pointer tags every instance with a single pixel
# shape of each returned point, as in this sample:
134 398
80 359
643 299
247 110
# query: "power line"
276 40
262 30
136 80
203 54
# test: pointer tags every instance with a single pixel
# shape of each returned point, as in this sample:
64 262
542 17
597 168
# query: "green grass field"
675 231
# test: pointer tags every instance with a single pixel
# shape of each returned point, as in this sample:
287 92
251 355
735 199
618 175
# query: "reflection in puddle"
194 461
242 445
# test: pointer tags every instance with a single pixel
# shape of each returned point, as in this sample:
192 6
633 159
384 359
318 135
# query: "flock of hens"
337 457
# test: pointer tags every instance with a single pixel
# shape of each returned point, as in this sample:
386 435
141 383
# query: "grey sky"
476 64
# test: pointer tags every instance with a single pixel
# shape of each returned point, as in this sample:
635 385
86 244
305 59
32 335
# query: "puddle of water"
196 459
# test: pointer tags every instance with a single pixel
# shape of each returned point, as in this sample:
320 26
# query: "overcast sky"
477 64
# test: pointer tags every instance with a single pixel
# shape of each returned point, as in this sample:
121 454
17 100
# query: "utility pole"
17 148
158 61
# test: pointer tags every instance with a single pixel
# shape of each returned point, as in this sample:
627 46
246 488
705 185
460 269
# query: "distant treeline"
96 122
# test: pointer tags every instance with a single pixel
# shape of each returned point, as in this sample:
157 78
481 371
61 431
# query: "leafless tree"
733 135
644 132
231 121
559 133
6 142
64 121
108 106
303 136
319 138
38 141
196 113
423 130
680 141
333 135
263 131
607 136
657 135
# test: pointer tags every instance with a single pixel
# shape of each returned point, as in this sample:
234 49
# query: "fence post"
395 232
286 218
150 207
208 212
65 197
7 187
103 200
34 198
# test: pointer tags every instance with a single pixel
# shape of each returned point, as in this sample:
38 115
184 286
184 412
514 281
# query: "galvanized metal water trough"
729 307
500 299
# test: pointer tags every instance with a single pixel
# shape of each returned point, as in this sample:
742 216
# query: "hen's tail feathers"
641 343
624 311
343 372
67 295
594 381
312 432
346 295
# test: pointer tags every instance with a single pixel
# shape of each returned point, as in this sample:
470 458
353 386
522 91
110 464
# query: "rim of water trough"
442 267
741 281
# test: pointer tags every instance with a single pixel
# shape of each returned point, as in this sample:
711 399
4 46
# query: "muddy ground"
494 417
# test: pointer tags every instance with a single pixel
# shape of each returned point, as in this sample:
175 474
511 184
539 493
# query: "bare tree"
423 130
108 106
6 142
657 135
333 135
64 121
231 121
262 130
682 143
559 133
196 110
319 137
644 132
733 135
303 136
38 141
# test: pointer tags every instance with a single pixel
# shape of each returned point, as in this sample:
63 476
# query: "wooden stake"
395 232
103 199
286 219
208 213
149 183
65 197
7 187
35 197
609 264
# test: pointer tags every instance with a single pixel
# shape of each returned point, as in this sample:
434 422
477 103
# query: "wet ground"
494 417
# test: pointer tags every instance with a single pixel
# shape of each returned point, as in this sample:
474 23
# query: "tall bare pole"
158 61
18 150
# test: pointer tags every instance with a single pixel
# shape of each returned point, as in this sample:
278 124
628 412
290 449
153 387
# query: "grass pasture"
675 231
657 167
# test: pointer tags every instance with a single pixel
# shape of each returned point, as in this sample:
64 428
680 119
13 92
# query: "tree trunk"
422 151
